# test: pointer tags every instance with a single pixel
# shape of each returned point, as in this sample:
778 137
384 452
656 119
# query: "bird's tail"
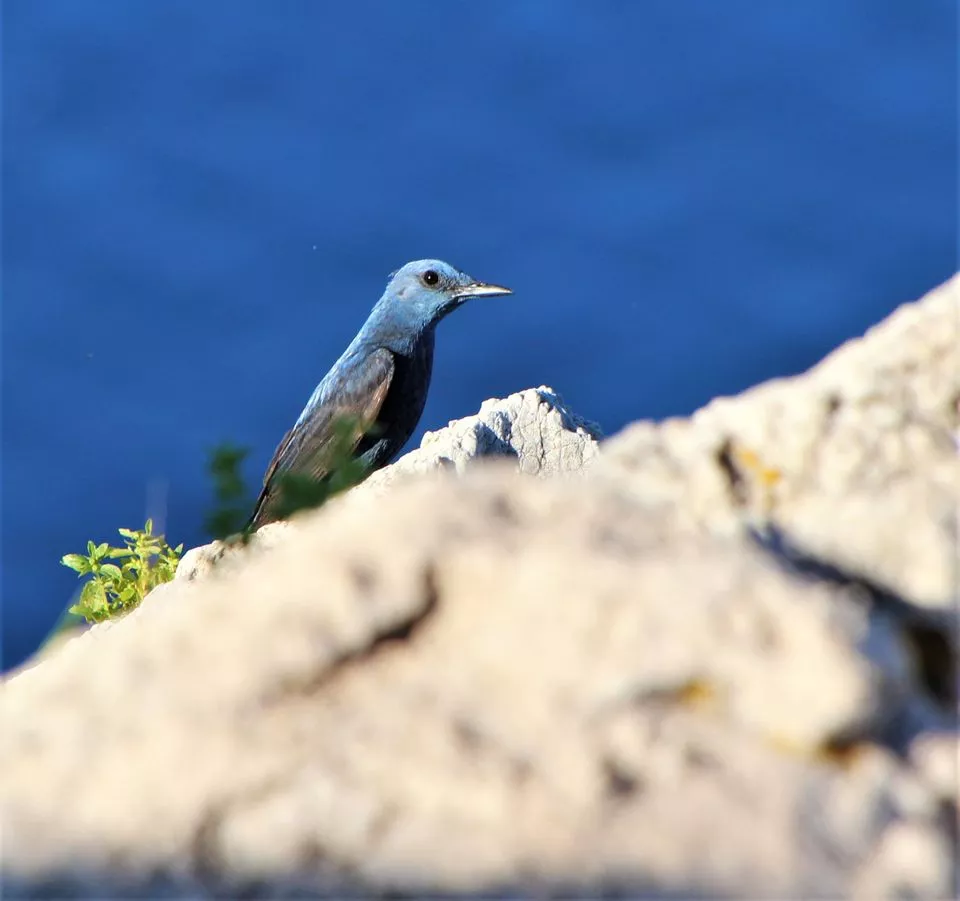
261 511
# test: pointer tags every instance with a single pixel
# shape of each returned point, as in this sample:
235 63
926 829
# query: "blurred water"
203 199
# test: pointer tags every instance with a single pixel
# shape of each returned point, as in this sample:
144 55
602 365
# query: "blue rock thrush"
380 382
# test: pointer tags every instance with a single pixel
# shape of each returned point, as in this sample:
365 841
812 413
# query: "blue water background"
201 201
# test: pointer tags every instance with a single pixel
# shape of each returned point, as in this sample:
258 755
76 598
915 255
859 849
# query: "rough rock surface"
856 461
473 684
496 684
534 427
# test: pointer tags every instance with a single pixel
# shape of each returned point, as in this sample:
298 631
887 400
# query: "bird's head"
423 292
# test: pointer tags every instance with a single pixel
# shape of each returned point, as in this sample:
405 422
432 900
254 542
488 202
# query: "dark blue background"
203 199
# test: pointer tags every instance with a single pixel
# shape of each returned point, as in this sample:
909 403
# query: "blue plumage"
380 381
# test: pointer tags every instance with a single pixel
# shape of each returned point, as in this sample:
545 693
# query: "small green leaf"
92 597
77 562
111 571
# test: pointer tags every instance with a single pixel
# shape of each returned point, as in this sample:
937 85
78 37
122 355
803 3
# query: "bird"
379 384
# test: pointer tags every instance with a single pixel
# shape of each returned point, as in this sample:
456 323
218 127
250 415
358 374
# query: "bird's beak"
480 289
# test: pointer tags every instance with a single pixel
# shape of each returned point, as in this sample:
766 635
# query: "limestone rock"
220 555
534 427
468 685
857 460
936 756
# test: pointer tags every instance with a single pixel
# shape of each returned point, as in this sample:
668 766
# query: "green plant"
144 561
232 507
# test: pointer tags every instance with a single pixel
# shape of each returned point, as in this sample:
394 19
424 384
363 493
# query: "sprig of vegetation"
145 561
232 500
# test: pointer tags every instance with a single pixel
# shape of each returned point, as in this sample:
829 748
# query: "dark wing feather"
356 391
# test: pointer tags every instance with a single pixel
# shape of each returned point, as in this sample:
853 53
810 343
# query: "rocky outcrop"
856 461
660 679
533 429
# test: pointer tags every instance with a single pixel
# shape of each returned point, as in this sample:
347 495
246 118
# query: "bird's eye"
430 278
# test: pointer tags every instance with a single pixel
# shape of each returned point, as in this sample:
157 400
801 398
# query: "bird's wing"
356 392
